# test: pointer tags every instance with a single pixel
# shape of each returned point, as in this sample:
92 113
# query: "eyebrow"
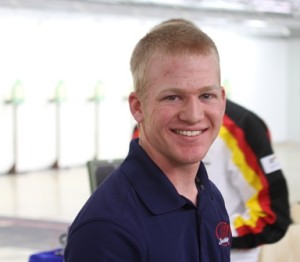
210 88
202 89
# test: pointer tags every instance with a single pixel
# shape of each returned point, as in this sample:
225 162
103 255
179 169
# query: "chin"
193 159
201 155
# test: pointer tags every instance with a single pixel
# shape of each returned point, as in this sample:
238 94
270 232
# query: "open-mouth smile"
188 132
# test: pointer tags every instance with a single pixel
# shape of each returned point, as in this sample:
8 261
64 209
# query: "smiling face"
183 108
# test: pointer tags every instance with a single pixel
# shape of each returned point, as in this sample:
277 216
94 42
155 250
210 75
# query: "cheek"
162 114
220 119
217 117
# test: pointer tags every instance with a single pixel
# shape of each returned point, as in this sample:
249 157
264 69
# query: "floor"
36 208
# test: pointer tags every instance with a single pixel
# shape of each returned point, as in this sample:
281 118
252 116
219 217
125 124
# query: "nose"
191 111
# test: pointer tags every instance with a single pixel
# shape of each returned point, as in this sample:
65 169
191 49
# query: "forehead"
183 66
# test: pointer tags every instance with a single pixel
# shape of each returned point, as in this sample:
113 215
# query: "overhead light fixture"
272 6
266 28
255 23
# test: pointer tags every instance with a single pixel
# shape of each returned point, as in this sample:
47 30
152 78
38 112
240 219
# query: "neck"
182 176
184 181
188 191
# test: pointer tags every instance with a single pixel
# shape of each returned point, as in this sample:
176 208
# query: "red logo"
223 233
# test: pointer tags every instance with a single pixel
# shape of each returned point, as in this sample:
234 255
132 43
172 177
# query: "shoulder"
114 200
218 197
243 117
212 194
95 238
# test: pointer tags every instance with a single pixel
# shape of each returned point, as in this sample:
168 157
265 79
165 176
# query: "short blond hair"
171 37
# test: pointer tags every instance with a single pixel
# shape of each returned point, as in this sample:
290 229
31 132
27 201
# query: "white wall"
293 103
41 49
257 70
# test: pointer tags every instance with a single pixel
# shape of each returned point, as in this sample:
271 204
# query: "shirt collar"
151 184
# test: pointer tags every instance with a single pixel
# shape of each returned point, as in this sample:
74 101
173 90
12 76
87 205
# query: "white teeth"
188 133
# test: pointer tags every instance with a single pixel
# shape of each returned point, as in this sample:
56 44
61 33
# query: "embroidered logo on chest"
223 233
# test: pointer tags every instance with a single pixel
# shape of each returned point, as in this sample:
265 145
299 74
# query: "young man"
242 163
159 205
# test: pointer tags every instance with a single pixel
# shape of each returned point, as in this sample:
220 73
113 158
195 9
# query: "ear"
224 98
135 106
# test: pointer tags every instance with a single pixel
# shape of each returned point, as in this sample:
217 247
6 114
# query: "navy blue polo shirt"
137 215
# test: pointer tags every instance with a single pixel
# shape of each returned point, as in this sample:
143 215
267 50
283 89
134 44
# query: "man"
242 164
159 205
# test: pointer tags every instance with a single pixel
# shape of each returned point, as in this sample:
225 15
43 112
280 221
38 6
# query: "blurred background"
64 82
65 71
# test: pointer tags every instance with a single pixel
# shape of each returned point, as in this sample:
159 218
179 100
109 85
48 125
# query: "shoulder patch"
270 163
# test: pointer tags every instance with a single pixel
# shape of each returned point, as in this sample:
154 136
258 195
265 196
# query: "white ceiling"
280 18
268 6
